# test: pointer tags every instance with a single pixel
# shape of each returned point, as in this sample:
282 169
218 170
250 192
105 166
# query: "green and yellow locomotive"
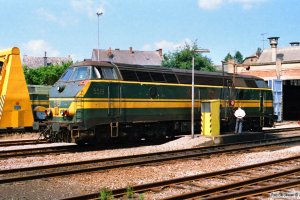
39 98
98 101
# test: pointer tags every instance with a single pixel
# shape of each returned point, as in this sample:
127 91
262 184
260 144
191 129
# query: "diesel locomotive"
39 99
94 102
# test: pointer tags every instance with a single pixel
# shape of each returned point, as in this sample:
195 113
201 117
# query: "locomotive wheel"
101 135
80 142
254 125
46 133
133 138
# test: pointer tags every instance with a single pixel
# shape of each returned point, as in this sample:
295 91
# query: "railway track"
21 142
226 184
37 141
67 149
278 130
30 173
70 148
38 151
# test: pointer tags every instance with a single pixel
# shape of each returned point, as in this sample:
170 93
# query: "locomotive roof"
158 69
93 63
179 71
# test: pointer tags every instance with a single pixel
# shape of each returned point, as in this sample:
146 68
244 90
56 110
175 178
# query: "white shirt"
239 113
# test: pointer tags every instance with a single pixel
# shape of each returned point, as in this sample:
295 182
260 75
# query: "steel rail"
281 130
241 188
171 182
30 173
21 142
261 189
37 151
43 150
30 142
49 150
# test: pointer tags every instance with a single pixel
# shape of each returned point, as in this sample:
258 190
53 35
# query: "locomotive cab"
67 104
89 71
81 73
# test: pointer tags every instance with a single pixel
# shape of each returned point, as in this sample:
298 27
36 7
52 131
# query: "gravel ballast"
60 187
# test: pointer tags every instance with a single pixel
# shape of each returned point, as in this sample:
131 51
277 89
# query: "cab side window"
109 73
96 73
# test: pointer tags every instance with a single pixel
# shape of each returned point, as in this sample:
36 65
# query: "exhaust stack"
295 44
274 42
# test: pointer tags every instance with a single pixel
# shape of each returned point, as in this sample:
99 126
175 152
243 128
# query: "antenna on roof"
263 40
98 14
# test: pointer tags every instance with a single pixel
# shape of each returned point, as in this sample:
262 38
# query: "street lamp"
193 85
99 14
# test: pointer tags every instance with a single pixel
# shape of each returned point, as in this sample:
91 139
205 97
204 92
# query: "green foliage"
238 57
228 57
182 58
45 75
129 192
106 194
141 196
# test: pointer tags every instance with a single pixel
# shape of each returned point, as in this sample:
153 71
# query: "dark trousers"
238 126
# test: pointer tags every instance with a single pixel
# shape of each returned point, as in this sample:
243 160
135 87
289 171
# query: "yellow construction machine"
15 105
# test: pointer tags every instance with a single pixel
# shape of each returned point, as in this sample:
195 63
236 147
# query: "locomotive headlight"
65 113
48 112
60 88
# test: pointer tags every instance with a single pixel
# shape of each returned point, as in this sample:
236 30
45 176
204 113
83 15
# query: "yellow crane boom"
15 106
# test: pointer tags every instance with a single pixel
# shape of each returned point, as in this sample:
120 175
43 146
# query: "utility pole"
99 14
193 86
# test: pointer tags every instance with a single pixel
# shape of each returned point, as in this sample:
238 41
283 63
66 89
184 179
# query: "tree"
228 57
45 75
238 57
182 58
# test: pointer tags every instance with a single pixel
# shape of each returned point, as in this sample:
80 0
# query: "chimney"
274 42
231 66
45 59
110 53
130 50
295 44
159 52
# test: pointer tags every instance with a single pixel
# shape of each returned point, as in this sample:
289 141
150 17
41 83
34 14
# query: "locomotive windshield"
67 74
89 72
80 73
261 84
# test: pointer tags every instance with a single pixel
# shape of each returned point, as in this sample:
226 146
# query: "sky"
70 27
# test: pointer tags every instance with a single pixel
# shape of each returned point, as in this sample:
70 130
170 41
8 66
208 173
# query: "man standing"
239 114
